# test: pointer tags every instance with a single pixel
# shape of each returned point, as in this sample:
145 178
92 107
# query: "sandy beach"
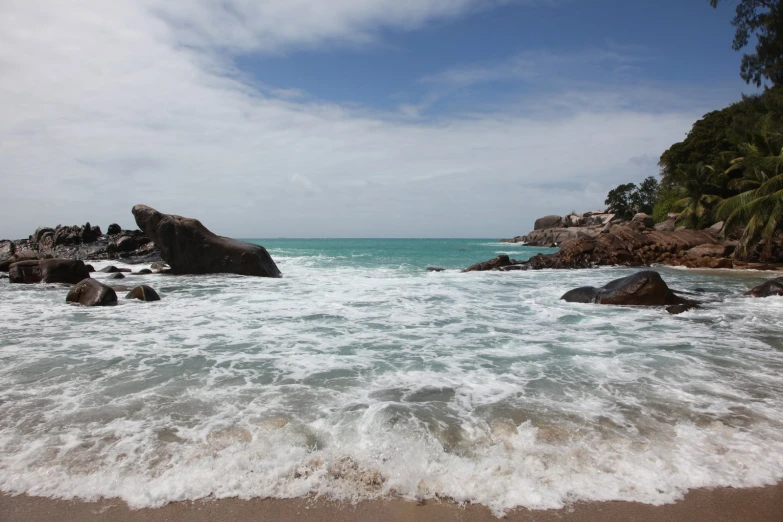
716 505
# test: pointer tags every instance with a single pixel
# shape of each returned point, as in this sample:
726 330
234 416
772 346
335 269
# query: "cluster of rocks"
598 239
55 255
80 242
551 231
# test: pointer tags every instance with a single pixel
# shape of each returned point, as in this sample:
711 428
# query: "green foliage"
628 199
664 203
697 196
620 200
643 199
762 19
758 207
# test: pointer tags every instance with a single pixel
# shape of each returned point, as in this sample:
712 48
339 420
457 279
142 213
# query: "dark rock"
190 248
90 234
645 288
644 220
547 222
493 264
90 292
109 269
158 266
144 271
126 244
90 268
116 275
40 232
125 270
48 271
113 229
435 269
681 308
143 293
767 289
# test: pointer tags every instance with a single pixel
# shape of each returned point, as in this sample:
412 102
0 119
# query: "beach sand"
716 505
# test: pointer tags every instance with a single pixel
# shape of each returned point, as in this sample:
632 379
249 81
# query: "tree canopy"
764 20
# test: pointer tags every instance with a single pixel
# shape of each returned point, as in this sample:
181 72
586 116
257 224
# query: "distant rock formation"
551 231
190 248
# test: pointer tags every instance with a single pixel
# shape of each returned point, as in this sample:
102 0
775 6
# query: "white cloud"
109 104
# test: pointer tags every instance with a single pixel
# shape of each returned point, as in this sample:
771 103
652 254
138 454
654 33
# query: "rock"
190 248
48 271
144 271
706 250
109 269
644 220
90 234
113 229
492 264
435 269
666 226
767 289
573 220
90 268
90 292
116 275
143 293
717 227
158 266
125 244
40 232
547 222
7 251
645 288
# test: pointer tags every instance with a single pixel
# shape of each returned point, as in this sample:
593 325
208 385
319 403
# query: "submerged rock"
117 275
90 292
48 271
190 248
645 288
143 293
144 271
109 269
767 289
435 269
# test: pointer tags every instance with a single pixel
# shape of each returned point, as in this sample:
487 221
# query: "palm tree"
698 195
758 208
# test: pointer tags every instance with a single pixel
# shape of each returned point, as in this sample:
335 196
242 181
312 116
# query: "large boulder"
7 251
113 229
90 292
190 248
68 271
143 293
767 289
547 222
645 288
643 220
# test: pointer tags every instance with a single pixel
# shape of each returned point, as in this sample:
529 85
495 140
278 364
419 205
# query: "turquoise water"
360 375
404 254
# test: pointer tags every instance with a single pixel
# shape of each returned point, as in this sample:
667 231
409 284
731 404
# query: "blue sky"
347 118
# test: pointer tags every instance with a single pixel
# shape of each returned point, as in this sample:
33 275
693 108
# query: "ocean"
361 375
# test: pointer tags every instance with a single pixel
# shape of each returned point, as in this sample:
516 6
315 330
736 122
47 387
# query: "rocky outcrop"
493 264
113 229
645 288
143 293
190 248
48 271
551 231
79 242
767 289
90 292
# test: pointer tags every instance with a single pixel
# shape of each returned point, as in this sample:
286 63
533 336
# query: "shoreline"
702 505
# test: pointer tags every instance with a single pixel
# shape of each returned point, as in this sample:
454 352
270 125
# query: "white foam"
357 383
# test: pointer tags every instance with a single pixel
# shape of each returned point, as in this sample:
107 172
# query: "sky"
346 118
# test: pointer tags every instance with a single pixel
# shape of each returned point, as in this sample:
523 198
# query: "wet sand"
716 505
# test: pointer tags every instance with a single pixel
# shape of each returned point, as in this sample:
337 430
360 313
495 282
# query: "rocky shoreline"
601 239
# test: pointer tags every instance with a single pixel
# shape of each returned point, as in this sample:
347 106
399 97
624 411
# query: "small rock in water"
143 293
435 269
143 271
90 268
645 288
90 292
767 289
117 275
109 269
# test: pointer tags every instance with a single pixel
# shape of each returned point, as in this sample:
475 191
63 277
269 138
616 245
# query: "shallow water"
360 374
